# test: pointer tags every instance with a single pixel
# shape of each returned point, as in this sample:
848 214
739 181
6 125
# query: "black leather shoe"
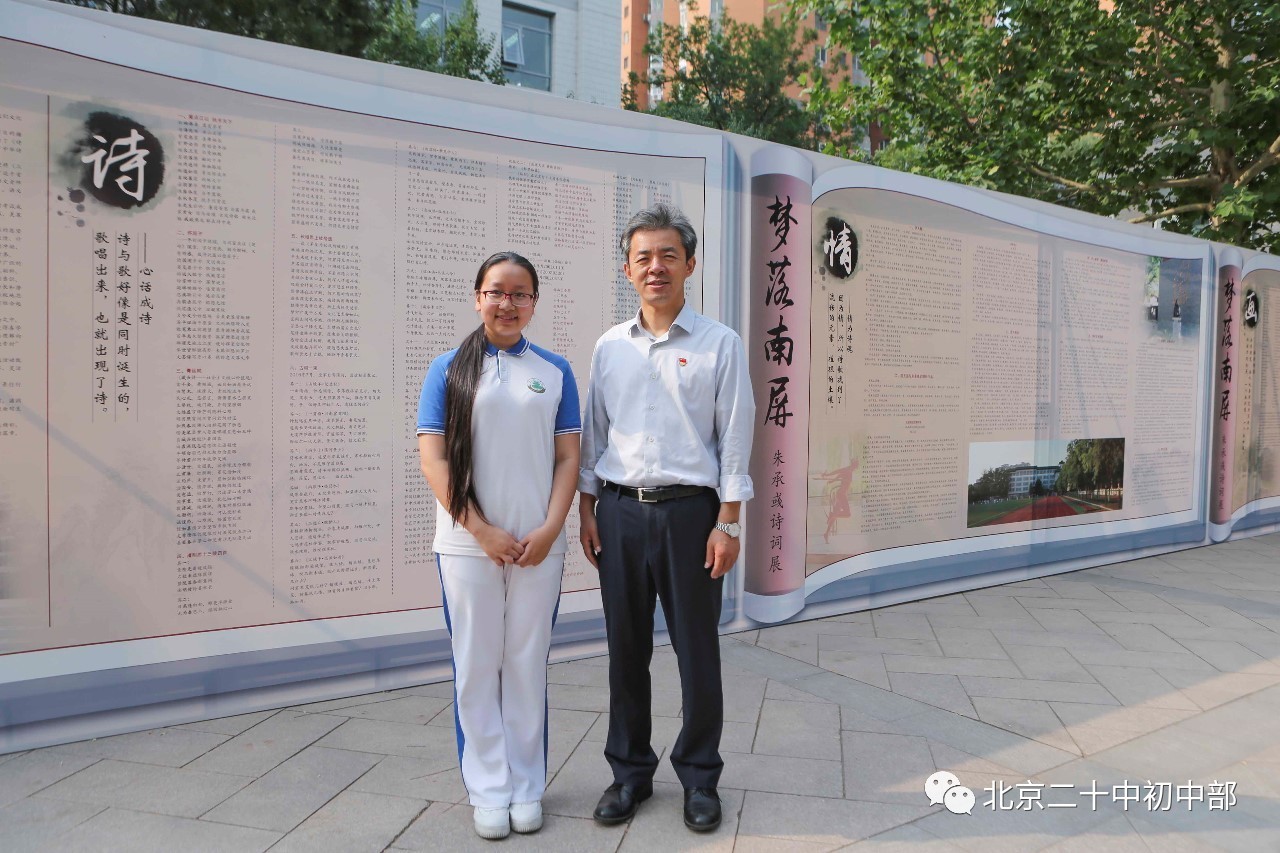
701 809
619 802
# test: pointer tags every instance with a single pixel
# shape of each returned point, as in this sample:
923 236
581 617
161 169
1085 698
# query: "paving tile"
1028 717
288 794
416 778
1000 606
1007 749
903 626
1167 622
1035 603
970 767
1068 621
880 645
352 822
780 690
955 604
176 791
1140 602
123 831
941 691
565 730
267 744
951 666
880 703
765 844
778 773
33 824
415 710
905 839
1142 638
659 825
1232 831
444 689
1142 720
576 787
229 726
825 821
1048 663
1227 656
581 674
1135 685
853 720
353 701
743 694
167 747
995 831
432 743
1026 688
449 827
36 770
803 648
886 768
800 729
1217 616
1011 622
1216 688
866 667
1150 660
1073 641
1078 585
970 643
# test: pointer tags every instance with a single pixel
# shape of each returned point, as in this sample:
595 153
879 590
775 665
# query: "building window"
526 47
626 62
434 15
819 23
820 55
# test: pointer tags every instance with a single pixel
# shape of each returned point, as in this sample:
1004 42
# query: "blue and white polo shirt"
525 398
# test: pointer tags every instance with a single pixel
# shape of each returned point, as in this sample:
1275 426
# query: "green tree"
462 51
1164 108
731 76
336 26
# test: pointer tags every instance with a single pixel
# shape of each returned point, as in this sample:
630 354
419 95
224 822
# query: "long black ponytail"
459 399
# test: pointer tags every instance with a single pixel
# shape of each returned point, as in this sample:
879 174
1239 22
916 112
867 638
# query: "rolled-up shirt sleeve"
735 422
595 431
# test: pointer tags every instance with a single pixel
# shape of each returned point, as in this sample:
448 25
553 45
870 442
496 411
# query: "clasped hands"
503 548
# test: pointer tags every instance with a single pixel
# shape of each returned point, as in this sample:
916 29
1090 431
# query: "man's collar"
685 320
518 349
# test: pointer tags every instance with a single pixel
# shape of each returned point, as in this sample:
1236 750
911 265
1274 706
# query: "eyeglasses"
519 300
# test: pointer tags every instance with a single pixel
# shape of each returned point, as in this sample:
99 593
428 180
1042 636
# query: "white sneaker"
492 823
526 817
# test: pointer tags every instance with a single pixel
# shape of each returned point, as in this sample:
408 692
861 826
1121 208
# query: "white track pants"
500 623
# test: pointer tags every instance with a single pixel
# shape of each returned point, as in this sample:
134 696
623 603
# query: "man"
668 423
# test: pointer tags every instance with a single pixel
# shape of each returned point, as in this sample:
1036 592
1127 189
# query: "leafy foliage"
1157 110
336 26
462 51
732 76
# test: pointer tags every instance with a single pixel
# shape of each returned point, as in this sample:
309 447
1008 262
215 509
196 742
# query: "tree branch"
1206 181
1058 179
1200 207
1267 160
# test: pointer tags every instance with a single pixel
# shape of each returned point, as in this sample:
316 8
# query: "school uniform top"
671 410
526 396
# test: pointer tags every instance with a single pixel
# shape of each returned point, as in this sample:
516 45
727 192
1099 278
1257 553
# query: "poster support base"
772 608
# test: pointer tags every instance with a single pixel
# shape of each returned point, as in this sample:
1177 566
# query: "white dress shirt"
671 410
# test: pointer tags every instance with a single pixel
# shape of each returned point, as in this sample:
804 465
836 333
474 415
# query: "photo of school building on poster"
1064 478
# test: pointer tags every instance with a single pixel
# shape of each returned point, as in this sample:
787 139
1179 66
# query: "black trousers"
659 549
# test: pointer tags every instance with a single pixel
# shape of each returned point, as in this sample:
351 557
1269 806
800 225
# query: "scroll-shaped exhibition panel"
221 284
1246 402
991 391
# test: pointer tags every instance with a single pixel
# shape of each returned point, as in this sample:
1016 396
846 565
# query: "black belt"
654 494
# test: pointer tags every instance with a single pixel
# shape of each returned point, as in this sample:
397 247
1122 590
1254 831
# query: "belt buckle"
640 495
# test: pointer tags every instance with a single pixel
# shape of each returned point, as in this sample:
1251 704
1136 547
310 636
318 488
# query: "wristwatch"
732 528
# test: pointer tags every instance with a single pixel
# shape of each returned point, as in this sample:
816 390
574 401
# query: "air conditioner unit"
646 17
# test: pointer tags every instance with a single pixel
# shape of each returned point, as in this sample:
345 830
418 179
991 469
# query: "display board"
218 310
1246 402
974 383
226 265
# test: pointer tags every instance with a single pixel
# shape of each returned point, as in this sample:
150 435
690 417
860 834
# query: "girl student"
498 429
